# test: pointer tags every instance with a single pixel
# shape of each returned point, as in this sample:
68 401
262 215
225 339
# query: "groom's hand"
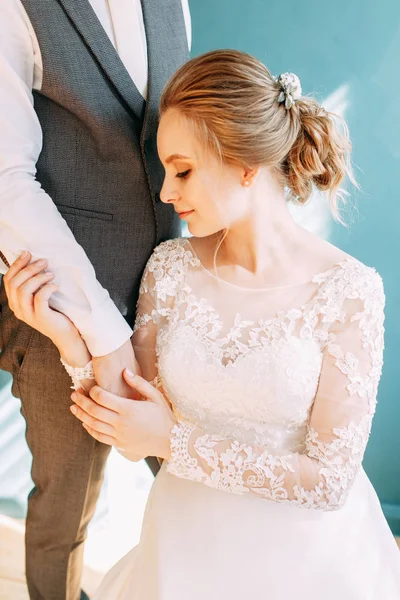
108 370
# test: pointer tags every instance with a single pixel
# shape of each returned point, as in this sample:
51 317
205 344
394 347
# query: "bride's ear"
249 176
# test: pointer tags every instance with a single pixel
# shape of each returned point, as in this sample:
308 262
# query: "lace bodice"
274 390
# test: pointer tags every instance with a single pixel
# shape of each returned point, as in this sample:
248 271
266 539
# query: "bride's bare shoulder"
325 254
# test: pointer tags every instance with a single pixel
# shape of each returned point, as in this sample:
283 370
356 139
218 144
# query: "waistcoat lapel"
167 49
88 25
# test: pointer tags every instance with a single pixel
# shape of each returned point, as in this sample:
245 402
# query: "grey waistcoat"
99 161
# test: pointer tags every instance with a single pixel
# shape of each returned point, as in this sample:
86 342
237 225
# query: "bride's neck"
265 239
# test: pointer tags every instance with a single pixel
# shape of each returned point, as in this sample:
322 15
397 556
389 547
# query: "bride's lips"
183 215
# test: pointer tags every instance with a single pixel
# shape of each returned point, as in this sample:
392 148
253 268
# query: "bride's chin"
196 230
201 230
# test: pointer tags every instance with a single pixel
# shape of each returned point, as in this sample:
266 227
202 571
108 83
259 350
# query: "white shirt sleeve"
188 22
28 217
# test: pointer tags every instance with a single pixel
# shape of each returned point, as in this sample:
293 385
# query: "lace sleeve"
338 429
160 284
78 374
156 295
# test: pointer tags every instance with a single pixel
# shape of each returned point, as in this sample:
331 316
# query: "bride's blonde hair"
232 100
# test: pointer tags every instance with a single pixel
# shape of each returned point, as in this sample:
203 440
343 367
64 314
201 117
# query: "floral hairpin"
290 89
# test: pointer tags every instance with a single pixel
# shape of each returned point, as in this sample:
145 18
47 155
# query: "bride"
260 347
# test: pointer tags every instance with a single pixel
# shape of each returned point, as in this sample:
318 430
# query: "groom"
79 185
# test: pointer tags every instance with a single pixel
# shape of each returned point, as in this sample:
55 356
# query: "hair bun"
320 153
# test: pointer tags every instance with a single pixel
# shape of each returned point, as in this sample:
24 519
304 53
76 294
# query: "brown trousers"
68 464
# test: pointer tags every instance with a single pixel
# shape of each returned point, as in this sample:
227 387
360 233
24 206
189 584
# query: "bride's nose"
168 194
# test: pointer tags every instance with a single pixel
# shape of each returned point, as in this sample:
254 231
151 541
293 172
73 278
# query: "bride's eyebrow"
176 157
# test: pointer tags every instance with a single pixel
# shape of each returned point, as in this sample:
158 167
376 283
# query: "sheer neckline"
315 278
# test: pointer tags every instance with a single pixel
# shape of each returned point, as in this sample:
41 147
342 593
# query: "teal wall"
347 51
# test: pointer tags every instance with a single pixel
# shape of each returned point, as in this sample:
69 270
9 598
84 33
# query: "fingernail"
130 374
73 409
40 263
24 254
74 396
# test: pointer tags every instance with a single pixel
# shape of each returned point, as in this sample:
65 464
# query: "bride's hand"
137 428
28 288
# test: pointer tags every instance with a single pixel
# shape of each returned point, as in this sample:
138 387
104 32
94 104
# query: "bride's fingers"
93 409
27 290
16 277
41 298
92 422
144 387
100 437
107 399
18 264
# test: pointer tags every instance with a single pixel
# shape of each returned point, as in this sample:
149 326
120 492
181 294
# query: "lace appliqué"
77 374
236 469
164 278
339 460
240 468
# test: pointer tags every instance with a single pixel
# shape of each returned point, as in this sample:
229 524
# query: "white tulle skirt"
199 543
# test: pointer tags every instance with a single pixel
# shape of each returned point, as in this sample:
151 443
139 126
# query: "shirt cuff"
104 330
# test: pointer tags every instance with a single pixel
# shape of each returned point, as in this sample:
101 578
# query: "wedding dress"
274 391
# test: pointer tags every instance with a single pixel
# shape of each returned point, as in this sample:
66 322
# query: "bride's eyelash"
183 174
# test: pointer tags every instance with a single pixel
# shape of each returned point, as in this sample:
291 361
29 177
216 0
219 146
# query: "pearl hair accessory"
290 89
